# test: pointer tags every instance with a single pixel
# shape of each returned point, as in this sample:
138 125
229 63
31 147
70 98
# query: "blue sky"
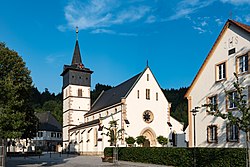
116 37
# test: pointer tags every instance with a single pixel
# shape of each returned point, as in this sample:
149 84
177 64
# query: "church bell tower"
76 93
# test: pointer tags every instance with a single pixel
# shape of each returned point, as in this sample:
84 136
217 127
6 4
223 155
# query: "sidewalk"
64 160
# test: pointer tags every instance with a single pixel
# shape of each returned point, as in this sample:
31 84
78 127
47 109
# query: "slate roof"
47 122
77 55
114 95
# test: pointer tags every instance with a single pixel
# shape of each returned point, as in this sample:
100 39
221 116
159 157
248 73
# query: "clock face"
148 116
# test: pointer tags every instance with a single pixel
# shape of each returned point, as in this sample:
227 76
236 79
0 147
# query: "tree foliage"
140 140
162 140
179 107
17 117
130 140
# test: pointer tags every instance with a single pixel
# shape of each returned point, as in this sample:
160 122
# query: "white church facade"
138 104
230 54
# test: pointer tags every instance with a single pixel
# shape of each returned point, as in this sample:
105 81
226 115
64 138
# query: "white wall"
206 86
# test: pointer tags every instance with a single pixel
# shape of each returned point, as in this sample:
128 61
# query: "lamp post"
194 111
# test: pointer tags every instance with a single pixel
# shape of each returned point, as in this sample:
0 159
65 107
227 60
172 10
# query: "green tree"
130 140
242 120
162 140
140 140
17 117
113 132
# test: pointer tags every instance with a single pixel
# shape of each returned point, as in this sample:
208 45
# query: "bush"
130 140
217 157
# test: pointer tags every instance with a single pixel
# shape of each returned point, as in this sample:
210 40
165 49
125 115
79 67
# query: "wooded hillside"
47 101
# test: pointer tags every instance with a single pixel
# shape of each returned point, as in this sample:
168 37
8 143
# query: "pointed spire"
76 60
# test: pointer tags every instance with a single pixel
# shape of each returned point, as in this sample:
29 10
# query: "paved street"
64 160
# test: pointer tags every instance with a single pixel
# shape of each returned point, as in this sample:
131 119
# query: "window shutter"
227 130
208 134
216 135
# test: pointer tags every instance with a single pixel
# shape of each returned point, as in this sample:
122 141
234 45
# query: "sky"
116 37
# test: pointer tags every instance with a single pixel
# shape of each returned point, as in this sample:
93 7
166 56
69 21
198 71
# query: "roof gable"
242 26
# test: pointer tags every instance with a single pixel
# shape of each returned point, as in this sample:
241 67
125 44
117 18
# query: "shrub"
182 157
130 140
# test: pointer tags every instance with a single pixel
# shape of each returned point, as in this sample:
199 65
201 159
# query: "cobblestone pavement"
64 160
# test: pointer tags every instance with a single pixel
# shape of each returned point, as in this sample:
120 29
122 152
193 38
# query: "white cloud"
150 19
203 23
219 21
105 31
96 14
236 2
199 29
187 7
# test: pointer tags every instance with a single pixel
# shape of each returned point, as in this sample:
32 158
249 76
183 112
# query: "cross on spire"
77 33
76 60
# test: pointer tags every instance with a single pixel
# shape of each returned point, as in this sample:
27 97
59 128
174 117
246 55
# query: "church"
138 104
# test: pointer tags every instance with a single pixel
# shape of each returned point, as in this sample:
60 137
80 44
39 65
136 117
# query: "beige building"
229 54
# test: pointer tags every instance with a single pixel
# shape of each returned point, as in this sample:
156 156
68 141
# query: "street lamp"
194 111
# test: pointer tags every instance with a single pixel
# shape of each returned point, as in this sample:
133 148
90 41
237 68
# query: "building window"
212 134
40 134
156 96
147 77
148 94
231 51
232 99
242 64
53 134
138 94
59 135
221 71
232 133
212 103
79 92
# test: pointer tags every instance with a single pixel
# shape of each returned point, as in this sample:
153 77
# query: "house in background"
229 54
48 136
138 104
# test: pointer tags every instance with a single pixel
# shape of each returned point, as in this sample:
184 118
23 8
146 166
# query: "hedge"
205 157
